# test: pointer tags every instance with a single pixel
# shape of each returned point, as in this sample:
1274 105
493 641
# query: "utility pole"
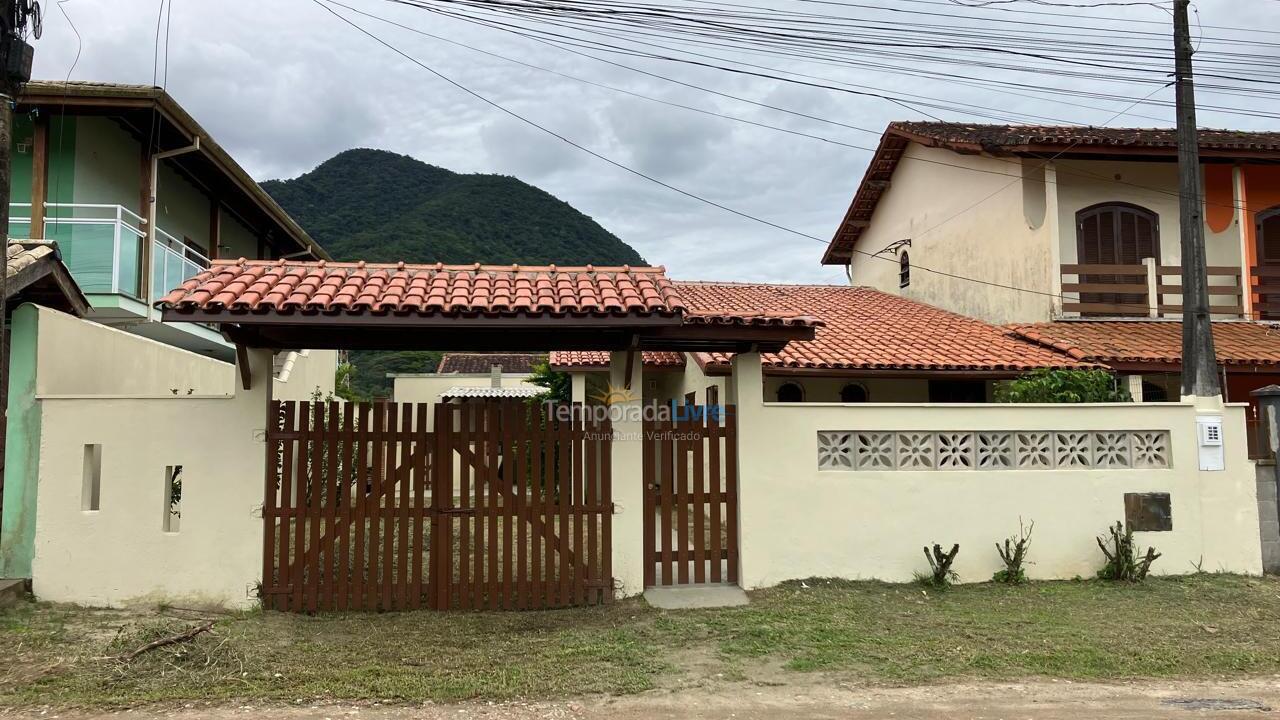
16 16
1199 361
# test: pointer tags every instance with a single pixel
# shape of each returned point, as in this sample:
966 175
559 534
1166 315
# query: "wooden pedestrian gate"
691 496
487 506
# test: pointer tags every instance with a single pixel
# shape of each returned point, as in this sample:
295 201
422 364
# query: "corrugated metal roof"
484 391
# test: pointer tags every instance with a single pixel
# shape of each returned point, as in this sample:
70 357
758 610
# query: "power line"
1015 163
734 211
813 81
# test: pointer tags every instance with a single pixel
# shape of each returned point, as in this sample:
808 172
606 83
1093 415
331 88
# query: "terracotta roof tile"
284 287
20 255
860 329
574 359
1013 136
1146 341
483 362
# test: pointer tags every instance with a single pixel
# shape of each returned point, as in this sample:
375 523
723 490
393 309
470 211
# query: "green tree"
1063 386
378 206
559 385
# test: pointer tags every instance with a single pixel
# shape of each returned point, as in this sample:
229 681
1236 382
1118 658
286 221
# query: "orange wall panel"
1219 197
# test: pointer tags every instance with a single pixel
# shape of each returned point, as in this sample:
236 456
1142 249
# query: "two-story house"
139 197
1070 235
118 196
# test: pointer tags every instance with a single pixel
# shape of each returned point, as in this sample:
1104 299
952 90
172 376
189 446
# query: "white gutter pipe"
150 241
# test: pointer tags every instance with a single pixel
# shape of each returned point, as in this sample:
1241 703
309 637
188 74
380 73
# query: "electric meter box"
1209 437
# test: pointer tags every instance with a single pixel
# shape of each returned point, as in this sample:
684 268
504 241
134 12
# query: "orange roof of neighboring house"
1118 342
484 362
863 329
1028 140
507 290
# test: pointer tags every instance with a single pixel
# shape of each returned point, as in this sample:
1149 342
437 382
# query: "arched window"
790 393
904 269
1267 237
854 393
1116 234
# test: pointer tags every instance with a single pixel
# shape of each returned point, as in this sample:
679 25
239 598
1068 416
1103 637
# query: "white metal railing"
173 261
87 232
101 244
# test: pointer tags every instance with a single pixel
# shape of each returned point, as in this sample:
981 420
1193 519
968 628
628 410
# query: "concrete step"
685 597
14 591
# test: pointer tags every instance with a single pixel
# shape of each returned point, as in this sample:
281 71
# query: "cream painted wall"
237 239
78 357
879 389
82 358
1007 233
182 210
963 222
666 385
119 554
108 164
797 521
1079 188
313 371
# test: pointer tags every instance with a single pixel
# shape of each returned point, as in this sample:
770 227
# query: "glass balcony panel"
87 250
129 265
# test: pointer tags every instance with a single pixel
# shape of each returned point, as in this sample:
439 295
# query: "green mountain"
378 206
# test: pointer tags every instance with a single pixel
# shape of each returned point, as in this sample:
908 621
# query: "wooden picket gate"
489 506
691 496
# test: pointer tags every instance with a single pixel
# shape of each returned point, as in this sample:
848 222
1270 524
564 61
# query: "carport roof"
282 303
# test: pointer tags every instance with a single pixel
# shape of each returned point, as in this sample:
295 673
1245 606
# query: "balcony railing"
1146 290
1265 286
172 262
102 247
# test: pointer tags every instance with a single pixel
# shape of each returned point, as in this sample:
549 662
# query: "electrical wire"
1016 165
323 4
616 49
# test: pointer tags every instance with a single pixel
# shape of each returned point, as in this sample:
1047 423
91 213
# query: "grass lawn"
1197 626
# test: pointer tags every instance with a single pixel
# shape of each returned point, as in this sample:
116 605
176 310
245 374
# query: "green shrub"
1063 386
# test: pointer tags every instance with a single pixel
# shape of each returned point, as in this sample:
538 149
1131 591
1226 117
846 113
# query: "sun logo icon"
615 395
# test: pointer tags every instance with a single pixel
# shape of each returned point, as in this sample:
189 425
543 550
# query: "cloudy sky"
284 85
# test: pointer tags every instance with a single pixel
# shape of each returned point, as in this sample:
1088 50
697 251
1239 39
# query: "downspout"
149 243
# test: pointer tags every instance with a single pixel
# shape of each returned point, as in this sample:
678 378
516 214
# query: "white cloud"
284 85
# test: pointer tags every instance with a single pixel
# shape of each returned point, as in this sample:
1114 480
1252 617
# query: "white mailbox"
1209 433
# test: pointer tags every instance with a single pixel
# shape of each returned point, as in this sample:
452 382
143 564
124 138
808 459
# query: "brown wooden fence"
488 506
691 498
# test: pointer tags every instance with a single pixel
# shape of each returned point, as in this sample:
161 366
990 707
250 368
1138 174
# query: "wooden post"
1199 362
39 175
1153 286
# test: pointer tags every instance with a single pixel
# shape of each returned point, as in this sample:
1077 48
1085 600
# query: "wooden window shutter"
1116 234
1269 237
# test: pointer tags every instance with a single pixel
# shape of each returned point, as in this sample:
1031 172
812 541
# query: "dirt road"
1039 700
